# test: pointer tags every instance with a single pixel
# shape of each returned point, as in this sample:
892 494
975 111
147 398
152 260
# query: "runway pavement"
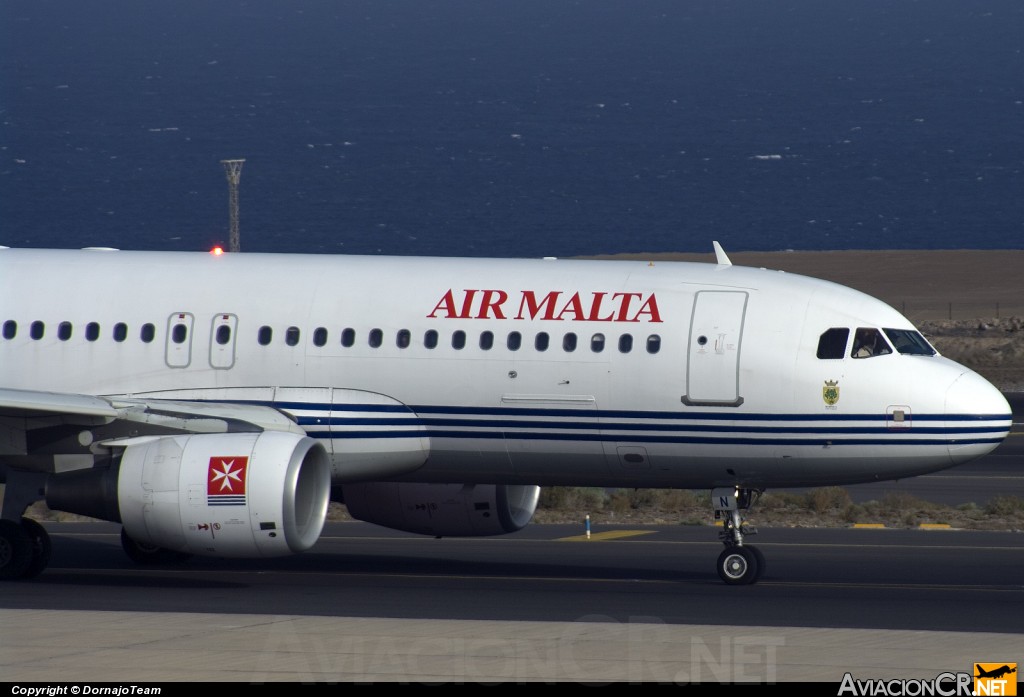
371 604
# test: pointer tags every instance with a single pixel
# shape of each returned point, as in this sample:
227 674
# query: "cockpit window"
909 342
832 343
868 343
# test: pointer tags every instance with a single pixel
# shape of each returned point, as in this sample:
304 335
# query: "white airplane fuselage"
721 384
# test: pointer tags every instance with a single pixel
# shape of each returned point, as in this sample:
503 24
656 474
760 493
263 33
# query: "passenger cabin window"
320 336
120 332
403 339
64 331
486 340
597 343
569 342
148 332
541 342
459 340
376 338
625 343
832 344
179 333
92 331
430 339
223 335
37 330
515 340
291 336
348 337
909 342
653 343
265 335
10 329
868 343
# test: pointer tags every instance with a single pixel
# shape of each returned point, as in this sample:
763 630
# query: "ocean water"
513 127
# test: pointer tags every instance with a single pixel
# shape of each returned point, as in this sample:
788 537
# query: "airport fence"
918 310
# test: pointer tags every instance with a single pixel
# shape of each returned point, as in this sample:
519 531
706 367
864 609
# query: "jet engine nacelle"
443 510
232 495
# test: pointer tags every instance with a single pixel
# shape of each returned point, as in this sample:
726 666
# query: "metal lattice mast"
233 170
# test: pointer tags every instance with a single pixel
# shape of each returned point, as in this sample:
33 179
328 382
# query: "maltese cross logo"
225 481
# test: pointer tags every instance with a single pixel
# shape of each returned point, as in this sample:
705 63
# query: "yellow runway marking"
869 525
610 535
935 526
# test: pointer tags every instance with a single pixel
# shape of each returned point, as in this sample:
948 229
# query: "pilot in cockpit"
868 343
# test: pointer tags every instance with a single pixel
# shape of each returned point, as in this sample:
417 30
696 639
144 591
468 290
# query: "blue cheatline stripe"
630 426
612 438
684 416
591 421
598 413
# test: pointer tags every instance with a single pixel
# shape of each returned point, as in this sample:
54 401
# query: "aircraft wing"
192 416
35 423
29 403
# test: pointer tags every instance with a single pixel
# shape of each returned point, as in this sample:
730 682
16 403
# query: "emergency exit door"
179 339
222 341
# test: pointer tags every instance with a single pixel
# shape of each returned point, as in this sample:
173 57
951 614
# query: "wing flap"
30 403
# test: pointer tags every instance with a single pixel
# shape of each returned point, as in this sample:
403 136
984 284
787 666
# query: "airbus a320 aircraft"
212 404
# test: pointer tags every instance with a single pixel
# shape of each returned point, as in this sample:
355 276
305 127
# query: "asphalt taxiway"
638 603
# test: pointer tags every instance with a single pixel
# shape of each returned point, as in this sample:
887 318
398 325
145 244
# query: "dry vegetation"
824 507
993 347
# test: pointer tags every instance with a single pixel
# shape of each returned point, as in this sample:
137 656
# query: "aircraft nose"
978 417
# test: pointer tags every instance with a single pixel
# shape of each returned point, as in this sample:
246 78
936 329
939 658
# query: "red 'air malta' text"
555 306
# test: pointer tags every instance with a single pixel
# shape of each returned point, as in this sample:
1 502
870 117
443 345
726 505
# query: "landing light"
217 251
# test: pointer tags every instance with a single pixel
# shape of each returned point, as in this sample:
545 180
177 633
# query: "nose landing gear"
739 564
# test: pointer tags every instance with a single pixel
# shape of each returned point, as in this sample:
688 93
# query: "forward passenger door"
713 356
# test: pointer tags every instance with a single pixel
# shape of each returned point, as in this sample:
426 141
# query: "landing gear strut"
24 549
739 564
24 544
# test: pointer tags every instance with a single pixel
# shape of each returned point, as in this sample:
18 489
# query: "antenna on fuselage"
720 256
233 170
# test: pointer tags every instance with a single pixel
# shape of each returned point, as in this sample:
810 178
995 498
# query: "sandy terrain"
970 303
